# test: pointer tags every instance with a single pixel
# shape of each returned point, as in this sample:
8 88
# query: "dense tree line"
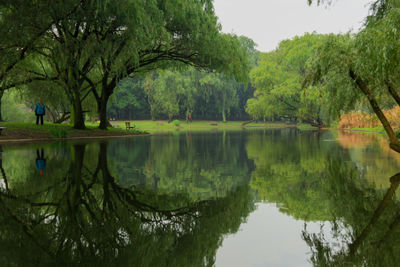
176 93
168 95
278 81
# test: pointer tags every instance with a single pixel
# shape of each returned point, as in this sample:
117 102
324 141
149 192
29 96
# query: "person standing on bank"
40 111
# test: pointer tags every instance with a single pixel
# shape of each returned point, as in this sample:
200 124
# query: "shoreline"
360 130
29 133
76 138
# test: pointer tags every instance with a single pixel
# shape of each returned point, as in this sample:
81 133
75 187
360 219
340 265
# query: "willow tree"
22 25
136 37
363 66
278 82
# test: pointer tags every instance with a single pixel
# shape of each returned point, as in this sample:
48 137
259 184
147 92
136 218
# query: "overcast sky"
268 22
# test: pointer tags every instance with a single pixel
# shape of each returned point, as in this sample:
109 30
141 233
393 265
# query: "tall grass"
358 119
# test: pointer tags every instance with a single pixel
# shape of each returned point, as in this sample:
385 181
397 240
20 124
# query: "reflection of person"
40 161
190 117
40 111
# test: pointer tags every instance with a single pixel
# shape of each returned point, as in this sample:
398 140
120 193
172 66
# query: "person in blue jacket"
40 111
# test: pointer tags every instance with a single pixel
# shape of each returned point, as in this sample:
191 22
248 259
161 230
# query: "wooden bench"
128 125
2 128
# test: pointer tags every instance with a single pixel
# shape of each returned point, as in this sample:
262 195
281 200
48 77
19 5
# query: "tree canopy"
363 66
89 46
278 81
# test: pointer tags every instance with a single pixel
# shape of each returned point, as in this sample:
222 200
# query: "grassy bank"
164 126
48 131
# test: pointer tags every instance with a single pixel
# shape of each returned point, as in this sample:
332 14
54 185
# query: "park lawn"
164 126
21 131
49 131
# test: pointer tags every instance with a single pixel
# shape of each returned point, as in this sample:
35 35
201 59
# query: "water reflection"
365 225
171 200
312 179
40 161
82 216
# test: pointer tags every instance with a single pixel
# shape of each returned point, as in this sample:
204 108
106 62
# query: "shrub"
358 119
59 133
176 122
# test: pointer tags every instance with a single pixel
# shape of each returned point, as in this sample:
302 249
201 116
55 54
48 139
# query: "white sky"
268 22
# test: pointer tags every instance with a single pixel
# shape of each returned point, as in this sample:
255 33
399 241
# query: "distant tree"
278 82
224 92
129 100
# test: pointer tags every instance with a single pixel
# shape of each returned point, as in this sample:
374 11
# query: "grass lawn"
50 131
20 130
164 126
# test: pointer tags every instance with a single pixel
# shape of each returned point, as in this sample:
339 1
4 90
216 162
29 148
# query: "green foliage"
86 47
59 133
154 226
13 110
177 122
363 67
199 93
398 134
278 81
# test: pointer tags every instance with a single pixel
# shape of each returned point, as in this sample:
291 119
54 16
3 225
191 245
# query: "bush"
176 122
59 133
358 119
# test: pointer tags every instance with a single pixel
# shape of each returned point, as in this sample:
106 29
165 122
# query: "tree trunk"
394 141
102 110
64 117
153 115
1 96
247 122
395 182
319 123
53 117
393 92
223 115
78 120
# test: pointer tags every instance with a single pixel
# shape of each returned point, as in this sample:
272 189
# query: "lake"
273 197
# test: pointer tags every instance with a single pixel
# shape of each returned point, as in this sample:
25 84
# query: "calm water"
247 198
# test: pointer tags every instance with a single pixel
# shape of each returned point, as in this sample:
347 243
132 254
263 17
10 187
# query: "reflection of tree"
363 149
366 227
85 217
200 165
290 167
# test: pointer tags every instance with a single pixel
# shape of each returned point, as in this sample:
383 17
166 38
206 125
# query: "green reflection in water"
314 179
77 213
169 200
